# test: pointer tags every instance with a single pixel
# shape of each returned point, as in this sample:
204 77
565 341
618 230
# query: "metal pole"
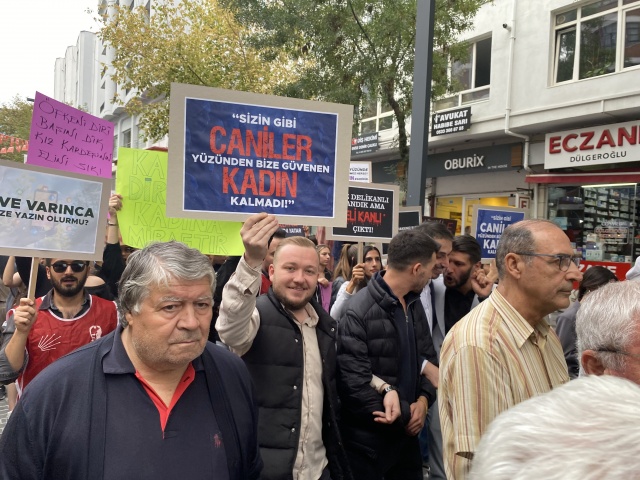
421 103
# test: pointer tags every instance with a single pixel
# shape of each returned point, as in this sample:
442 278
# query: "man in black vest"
288 343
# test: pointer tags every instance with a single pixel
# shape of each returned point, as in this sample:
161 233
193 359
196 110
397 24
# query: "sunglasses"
61 267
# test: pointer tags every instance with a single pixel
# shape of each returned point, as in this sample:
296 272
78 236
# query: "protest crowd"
286 362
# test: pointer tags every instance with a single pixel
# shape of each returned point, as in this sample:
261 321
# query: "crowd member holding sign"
288 342
37 333
152 400
504 352
360 276
384 396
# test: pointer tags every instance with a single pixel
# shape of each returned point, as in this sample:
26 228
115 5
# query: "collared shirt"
491 360
238 325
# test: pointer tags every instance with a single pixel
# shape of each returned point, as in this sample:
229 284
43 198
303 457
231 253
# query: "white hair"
587 429
607 320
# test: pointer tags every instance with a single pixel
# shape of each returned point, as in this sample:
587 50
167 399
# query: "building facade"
547 118
83 79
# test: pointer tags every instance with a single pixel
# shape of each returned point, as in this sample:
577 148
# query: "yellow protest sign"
141 179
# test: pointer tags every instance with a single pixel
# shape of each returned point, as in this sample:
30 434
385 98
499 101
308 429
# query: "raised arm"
239 320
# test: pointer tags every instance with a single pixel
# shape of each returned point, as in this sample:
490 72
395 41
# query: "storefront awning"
585 178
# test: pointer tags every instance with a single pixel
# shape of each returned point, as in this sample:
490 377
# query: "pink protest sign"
65 138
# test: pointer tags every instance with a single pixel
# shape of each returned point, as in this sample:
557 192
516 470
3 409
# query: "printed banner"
372 215
141 179
488 224
65 138
45 214
234 154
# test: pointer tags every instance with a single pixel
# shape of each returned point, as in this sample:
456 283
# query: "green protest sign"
141 179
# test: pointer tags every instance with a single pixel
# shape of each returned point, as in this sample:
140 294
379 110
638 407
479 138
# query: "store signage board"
360 172
620 269
452 121
365 144
233 154
372 214
65 138
487 226
602 145
52 213
497 158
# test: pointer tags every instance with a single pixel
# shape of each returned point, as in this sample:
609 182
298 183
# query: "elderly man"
588 429
151 400
504 352
608 331
384 396
37 333
288 343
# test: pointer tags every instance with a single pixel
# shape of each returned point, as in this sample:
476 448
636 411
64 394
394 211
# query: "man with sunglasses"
39 332
504 352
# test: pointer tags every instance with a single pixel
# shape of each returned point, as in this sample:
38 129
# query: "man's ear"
513 265
48 270
271 270
591 363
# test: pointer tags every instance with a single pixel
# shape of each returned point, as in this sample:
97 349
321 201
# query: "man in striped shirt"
504 352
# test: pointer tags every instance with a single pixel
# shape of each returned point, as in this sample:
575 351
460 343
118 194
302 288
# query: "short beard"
68 292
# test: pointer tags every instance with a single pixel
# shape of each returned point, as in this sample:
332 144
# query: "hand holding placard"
255 233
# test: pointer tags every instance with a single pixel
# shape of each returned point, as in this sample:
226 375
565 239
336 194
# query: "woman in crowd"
360 275
323 292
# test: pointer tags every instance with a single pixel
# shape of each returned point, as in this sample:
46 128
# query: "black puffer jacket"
368 344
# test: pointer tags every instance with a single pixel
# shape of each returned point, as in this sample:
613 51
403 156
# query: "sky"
32 35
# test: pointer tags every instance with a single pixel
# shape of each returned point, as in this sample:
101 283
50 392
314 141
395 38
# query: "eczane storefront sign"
601 145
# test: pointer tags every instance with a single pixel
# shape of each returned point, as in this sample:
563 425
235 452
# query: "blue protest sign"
488 225
244 154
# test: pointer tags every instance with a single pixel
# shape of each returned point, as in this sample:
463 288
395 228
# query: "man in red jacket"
37 333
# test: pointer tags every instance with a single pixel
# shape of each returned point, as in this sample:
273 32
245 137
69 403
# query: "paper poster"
372 215
141 179
234 154
44 213
65 138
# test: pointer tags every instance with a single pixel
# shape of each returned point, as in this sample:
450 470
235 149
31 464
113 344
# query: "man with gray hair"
588 429
151 400
504 352
608 331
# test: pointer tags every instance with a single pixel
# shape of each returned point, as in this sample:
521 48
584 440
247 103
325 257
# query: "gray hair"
517 237
158 264
587 429
608 319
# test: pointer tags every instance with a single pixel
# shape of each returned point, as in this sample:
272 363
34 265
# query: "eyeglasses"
127 249
564 260
61 267
618 352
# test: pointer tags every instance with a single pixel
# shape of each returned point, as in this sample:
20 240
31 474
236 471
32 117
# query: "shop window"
470 76
599 220
587 42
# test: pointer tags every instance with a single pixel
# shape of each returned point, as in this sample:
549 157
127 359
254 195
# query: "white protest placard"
45 213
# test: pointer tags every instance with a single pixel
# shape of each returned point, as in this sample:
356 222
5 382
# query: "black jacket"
369 345
276 364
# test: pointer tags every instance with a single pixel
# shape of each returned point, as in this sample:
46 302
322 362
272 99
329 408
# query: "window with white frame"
595 39
376 116
470 76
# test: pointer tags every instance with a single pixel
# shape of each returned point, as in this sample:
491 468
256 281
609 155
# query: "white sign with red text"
601 145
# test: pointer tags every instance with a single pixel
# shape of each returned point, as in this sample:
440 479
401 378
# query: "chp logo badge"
95 332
